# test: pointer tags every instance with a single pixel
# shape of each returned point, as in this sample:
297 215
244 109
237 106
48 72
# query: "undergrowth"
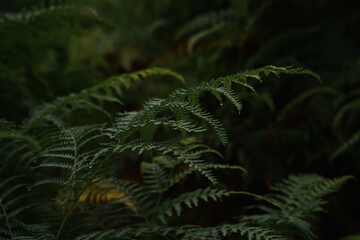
60 183
86 154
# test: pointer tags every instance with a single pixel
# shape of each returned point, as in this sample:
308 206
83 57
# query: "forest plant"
70 177
74 194
351 109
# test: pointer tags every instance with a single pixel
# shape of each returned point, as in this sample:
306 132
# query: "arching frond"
86 97
207 20
307 94
74 164
344 109
300 197
345 146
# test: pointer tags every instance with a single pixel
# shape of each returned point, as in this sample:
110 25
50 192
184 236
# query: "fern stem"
157 206
7 219
64 219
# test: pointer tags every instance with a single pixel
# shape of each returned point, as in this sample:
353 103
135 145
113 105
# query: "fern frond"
85 98
226 166
180 101
81 155
155 177
299 198
69 145
66 166
345 146
305 192
255 73
154 106
221 89
199 148
207 20
29 16
19 135
170 164
198 36
302 97
344 109
36 231
190 199
203 115
186 232
135 196
131 122
199 165
192 159
139 146
221 85
13 203
249 231
6 125
108 191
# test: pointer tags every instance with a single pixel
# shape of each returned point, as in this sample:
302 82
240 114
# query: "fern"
345 146
190 199
344 109
190 232
207 20
17 145
83 156
13 203
300 197
352 140
232 26
29 16
253 233
85 98
226 166
279 70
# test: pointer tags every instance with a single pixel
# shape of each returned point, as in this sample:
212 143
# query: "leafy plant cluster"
101 140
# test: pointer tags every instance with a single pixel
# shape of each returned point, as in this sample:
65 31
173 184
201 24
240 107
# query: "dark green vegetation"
157 119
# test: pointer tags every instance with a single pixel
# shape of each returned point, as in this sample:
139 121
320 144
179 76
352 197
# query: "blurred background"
292 125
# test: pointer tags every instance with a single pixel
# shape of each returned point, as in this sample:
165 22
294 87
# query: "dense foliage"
129 119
